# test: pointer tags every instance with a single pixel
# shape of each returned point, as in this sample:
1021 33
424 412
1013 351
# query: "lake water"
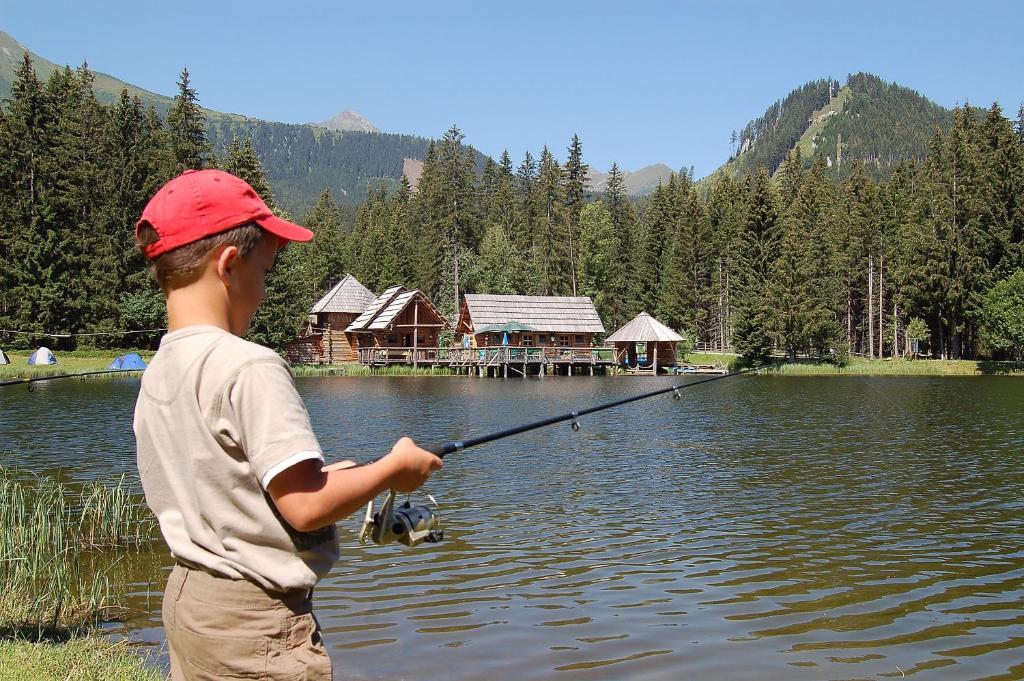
760 528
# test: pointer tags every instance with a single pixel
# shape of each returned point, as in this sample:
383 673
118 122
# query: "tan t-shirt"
217 418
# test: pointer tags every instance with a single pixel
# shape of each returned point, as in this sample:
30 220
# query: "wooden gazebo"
659 341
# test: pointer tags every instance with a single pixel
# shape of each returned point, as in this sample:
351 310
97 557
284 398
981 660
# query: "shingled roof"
348 295
557 314
382 312
644 328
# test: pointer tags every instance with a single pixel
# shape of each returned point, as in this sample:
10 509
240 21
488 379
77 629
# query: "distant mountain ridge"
638 182
299 159
348 121
867 119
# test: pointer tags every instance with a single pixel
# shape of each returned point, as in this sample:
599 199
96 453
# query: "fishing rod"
410 525
82 375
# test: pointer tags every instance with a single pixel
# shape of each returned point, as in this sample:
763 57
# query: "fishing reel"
405 524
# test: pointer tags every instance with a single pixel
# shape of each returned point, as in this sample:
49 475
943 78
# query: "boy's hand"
411 466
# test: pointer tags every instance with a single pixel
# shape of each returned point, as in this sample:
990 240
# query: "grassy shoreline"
90 657
857 366
58 546
68 362
78 361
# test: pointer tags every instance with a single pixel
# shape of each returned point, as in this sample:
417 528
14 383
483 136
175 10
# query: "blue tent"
129 362
42 356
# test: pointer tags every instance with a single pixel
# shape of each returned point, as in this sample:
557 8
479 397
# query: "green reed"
56 546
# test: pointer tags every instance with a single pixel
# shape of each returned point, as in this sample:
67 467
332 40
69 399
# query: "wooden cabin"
659 343
400 324
486 320
326 340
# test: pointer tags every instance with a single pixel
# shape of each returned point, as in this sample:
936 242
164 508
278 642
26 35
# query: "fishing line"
74 335
574 416
410 525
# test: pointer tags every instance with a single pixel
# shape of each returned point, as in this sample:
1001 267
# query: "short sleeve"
273 427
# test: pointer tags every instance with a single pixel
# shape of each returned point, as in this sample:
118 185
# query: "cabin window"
579 341
563 341
420 340
392 339
527 340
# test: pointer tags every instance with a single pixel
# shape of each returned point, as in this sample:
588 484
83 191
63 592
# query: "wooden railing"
488 356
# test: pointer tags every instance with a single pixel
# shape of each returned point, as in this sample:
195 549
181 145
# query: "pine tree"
756 256
550 247
25 157
186 124
624 221
726 214
599 260
575 182
289 291
136 161
802 286
455 206
327 257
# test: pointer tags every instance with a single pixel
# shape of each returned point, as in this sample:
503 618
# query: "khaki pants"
221 628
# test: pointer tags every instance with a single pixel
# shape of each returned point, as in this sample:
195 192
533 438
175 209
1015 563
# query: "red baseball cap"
201 203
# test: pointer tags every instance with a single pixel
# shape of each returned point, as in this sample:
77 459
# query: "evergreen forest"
786 257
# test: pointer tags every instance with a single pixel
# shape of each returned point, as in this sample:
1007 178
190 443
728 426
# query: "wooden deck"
498 360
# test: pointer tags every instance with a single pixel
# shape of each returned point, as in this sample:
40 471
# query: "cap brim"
286 230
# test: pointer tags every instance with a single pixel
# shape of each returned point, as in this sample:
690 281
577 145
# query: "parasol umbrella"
508 327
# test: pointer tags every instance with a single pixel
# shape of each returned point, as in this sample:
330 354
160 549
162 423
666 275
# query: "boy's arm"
310 497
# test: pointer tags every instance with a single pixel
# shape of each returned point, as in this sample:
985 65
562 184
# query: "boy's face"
248 277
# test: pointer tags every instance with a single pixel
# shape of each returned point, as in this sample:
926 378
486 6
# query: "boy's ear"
227 258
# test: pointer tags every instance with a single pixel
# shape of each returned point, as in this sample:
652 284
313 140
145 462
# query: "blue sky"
640 82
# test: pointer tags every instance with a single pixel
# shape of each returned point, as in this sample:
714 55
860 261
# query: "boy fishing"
228 460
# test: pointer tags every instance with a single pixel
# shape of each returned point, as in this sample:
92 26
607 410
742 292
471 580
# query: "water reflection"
763 528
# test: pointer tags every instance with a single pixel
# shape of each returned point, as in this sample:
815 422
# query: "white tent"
4 359
42 356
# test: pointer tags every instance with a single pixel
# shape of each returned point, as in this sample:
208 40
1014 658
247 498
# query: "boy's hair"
183 265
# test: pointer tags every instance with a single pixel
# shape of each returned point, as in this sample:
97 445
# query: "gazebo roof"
644 328
348 295
558 314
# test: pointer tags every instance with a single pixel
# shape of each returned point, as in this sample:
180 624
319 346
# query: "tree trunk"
881 310
871 307
849 316
895 330
721 307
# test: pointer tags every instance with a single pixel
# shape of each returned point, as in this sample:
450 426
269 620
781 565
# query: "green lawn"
857 366
89 658
68 362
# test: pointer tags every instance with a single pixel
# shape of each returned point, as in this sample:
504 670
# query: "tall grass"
55 551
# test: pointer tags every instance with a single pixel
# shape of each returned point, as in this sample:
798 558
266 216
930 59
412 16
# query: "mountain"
638 183
107 88
299 159
866 119
348 121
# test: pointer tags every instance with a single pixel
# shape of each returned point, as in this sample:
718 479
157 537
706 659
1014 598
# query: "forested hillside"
868 120
799 261
300 159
